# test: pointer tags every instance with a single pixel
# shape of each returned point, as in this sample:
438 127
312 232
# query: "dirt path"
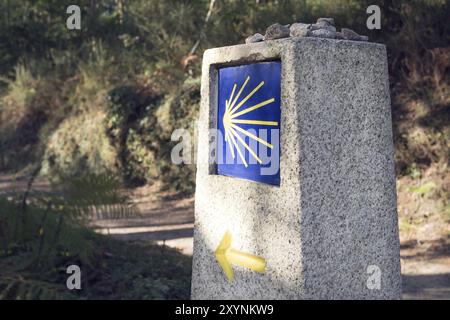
426 269
168 218
165 217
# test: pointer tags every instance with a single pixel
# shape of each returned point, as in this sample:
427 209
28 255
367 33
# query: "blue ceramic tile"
249 121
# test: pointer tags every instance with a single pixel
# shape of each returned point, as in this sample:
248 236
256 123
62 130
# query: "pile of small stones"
323 28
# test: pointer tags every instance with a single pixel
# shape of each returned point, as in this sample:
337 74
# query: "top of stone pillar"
271 49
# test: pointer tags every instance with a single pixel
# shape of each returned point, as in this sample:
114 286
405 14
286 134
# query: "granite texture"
334 213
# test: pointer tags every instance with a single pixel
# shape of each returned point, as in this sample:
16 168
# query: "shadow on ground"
434 286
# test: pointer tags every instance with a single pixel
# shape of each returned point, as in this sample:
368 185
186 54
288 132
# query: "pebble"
324 23
277 31
323 28
257 37
323 33
329 21
339 36
349 34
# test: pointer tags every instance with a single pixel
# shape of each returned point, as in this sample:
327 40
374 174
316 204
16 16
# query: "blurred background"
86 118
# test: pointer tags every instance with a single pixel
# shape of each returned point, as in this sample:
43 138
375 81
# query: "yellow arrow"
227 256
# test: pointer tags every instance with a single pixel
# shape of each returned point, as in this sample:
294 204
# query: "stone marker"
328 229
